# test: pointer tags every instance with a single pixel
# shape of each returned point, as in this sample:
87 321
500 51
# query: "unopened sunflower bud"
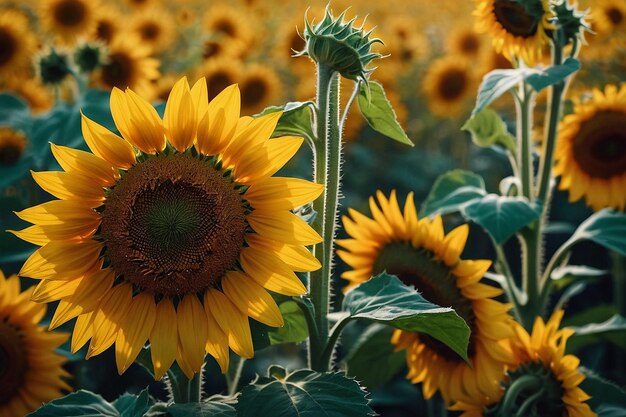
88 57
53 68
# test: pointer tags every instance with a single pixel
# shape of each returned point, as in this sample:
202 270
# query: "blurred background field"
60 56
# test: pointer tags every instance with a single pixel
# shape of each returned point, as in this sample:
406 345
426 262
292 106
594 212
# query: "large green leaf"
498 82
130 405
566 275
14 112
452 191
488 129
385 299
296 119
502 216
295 329
607 399
553 74
606 228
204 409
303 393
379 114
77 404
612 329
373 360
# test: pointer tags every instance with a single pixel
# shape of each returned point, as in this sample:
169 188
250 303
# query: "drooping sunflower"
422 255
551 378
69 19
518 28
128 64
449 83
260 88
17 43
591 150
154 27
173 232
219 74
32 373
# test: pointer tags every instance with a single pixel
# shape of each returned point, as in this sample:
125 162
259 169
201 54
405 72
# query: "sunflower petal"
83 331
62 260
270 272
58 212
217 340
277 193
85 164
106 144
113 307
251 299
297 257
135 329
163 344
283 226
180 116
232 321
69 186
192 331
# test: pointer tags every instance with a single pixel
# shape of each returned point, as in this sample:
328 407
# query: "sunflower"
449 83
591 150
421 255
260 88
107 23
154 27
142 4
552 378
466 42
128 64
32 373
12 145
172 233
404 43
220 47
69 19
219 73
609 16
38 97
518 29
228 22
17 43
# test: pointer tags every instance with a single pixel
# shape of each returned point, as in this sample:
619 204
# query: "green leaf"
488 129
607 399
80 403
295 329
451 191
14 112
553 75
612 330
130 405
498 82
296 119
385 299
502 216
566 275
606 228
204 409
379 114
304 393
373 360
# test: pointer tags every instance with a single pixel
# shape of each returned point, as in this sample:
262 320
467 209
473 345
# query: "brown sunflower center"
225 27
173 225
253 91
118 71
211 48
13 361
469 43
12 146
8 46
452 84
218 81
70 12
600 146
434 280
104 30
514 18
150 31
615 15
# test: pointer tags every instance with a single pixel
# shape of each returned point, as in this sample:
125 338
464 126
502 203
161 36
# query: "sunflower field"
254 208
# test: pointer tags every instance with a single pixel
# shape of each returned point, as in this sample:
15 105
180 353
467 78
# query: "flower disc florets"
339 45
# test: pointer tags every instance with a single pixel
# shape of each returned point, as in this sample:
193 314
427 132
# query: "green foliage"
303 393
80 403
129 405
566 275
14 112
379 114
295 329
385 299
612 330
553 75
203 409
372 360
488 129
607 399
452 191
606 228
296 119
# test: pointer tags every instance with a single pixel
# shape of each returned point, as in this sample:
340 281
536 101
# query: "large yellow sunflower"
17 43
518 28
69 19
31 373
540 359
449 84
172 233
591 150
128 64
154 27
422 255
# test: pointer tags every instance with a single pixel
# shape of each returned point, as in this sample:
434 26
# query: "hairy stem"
234 374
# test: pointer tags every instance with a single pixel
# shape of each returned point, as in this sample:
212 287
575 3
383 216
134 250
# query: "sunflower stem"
195 388
234 373
524 126
178 384
327 172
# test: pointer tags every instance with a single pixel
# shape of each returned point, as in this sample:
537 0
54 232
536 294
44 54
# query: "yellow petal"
83 331
283 226
192 331
135 329
163 339
252 137
113 306
91 289
180 116
296 257
229 100
107 145
41 235
137 121
69 186
268 159
270 272
200 97
62 260
276 193
251 298
47 291
85 164
58 212
217 340
453 245
232 321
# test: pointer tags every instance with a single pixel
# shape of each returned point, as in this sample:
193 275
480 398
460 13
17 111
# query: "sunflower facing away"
421 255
69 19
518 28
591 150
550 376
17 43
31 373
172 233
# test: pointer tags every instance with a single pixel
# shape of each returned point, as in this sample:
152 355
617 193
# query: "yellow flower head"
12 145
17 43
32 373
172 233
449 84
422 255
69 19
